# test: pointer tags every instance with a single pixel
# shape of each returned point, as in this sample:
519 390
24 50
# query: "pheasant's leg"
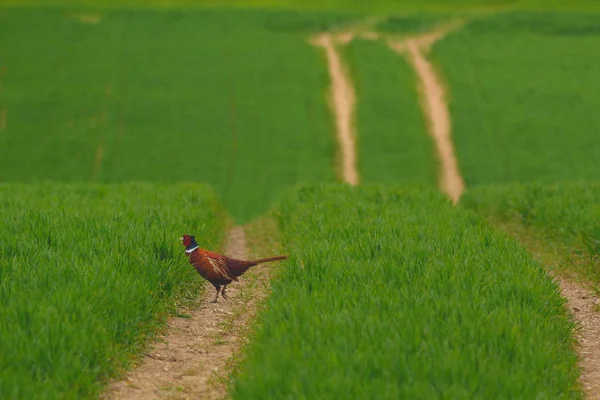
218 287
223 294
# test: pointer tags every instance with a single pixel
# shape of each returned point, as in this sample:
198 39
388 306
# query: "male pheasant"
218 269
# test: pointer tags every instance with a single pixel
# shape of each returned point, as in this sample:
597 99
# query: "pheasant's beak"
180 239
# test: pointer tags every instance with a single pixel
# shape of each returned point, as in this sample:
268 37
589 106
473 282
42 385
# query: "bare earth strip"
583 303
191 360
584 306
342 102
434 106
343 99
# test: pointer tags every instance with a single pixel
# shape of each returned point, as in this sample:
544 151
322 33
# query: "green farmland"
393 144
375 6
567 215
394 292
87 273
124 125
521 82
160 97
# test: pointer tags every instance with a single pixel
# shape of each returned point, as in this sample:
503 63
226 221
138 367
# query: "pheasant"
218 269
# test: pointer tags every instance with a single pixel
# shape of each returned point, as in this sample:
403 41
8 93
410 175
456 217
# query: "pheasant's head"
189 242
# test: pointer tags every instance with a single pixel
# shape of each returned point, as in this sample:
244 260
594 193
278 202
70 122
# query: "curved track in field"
192 360
583 304
342 100
431 89
433 102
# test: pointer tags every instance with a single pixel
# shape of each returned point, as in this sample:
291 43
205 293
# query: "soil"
193 359
342 100
583 304
431 89
433 101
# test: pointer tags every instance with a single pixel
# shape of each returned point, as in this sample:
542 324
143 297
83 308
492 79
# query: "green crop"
374 6
567 213
87 275
392 293
524 97
234 99
393 143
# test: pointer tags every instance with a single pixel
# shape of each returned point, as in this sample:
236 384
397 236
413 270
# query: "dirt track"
191 360
583 304
433 102
431 89
342 100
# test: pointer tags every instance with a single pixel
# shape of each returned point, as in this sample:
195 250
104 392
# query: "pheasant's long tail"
268 259
238 267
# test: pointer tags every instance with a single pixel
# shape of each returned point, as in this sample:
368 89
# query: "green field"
233 99
393 143
88 273
566 214
124 124
394 292
375 6
524 97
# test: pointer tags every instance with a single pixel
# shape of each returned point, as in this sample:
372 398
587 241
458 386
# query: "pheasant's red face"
187 240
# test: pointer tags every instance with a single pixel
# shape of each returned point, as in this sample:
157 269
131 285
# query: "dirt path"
192 361
342 100
431 89
433 100
584 303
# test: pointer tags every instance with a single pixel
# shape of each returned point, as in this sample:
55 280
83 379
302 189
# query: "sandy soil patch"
433 102
584 306
342 101
342 97
583 303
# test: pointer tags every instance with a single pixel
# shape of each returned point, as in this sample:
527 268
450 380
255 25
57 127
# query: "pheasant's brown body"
221 270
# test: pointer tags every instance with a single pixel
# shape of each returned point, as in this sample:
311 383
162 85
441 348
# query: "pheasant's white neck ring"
190 250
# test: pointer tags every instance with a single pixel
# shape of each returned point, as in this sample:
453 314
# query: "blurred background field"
375 6
393 143
164 96
523 97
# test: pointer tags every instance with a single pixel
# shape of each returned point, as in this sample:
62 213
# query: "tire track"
189 361
433 102
342 100
583 304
